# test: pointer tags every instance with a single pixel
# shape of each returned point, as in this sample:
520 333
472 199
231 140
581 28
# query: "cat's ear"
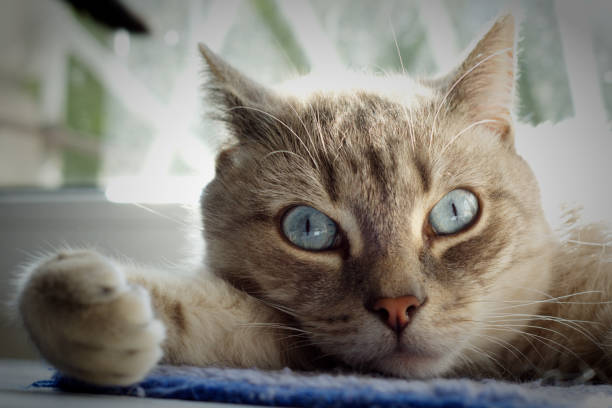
483 85
246 106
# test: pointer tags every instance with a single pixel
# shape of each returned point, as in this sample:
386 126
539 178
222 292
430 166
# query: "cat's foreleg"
107 323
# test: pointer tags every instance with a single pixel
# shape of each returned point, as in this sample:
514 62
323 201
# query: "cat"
383 225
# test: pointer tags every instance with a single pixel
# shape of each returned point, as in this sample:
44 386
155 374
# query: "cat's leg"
107 323
209 322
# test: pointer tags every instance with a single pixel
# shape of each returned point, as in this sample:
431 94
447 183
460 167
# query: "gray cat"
383 223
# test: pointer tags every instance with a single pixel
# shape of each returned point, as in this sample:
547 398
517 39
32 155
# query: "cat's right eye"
309 228
454 212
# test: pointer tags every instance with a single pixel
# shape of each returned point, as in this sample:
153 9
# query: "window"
84 105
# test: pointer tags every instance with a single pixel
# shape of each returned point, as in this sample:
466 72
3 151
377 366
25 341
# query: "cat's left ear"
482 87
246 106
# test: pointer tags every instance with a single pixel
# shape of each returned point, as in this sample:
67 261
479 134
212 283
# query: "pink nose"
396 312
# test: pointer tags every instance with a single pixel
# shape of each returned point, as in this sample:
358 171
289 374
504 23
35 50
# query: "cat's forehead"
397 88
360 113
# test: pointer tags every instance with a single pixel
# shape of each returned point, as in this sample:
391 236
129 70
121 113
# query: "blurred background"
104 141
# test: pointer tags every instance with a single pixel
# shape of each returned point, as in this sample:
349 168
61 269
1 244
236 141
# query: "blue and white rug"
297 389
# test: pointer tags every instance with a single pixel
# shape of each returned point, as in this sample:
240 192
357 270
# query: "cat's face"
375 161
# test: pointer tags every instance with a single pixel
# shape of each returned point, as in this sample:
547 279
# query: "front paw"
88 321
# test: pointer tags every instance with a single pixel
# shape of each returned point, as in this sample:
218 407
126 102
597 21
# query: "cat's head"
391 217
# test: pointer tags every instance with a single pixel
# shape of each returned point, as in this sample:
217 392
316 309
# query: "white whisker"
488 356
301 121
152 211
585 243
543 340
530 326
555 300
340 146
319 129
570 324
281 151
399 54
508 346
273 326
446 146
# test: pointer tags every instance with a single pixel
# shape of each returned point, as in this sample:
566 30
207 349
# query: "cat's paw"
88 321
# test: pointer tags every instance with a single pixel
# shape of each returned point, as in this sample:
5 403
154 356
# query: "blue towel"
291 388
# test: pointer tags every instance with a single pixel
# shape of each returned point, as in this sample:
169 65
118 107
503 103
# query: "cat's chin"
413 365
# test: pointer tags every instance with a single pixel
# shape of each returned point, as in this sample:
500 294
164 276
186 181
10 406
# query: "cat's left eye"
309 228
454 212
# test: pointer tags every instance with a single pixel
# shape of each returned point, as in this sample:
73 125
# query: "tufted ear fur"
482 87
247 107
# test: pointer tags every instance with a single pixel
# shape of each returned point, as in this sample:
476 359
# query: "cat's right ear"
482 87
248 108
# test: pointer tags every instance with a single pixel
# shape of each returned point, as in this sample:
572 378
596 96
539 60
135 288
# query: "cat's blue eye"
454 212
309 229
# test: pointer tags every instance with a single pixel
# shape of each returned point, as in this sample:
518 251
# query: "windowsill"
34 221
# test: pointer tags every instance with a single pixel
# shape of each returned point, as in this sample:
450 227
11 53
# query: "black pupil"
454 209
307 225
